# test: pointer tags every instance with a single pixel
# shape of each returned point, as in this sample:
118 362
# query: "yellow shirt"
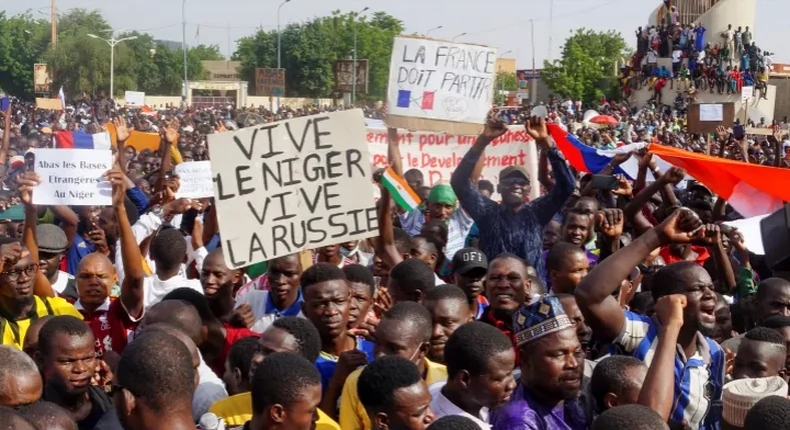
14 331
237 410
352 413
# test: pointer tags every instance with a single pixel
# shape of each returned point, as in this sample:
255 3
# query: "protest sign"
270 82
747 93
135 98
73 177
440 86
291 185
49 104
195 179
437 155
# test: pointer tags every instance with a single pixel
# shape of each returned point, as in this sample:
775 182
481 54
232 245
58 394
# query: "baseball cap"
507 171
469 259
51 239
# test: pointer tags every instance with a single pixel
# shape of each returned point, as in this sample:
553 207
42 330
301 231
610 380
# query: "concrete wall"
739 13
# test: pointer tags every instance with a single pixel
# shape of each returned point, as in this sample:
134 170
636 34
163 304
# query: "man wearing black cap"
513 226
52 245
469 271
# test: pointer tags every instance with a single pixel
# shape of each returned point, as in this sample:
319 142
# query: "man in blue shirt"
513 225
699 361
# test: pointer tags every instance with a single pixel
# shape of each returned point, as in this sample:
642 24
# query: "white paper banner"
292 185
437 155
441 80
135 98
196 180
73 177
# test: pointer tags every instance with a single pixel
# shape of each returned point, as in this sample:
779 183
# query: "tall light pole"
433 29
533 91
184 41
278 45
278 31
354 65
460 35
112 41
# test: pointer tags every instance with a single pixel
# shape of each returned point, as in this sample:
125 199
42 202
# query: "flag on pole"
145 110
401 192
751 189
62 97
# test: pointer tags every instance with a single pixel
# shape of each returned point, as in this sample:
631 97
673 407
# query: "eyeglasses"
13 275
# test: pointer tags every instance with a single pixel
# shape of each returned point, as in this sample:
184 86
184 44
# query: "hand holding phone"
604 182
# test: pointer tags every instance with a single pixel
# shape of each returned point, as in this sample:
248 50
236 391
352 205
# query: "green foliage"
22 42
586 69
504 81
206 53
309 51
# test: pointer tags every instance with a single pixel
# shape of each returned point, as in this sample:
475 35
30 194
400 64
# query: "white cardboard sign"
433 79
292 185
73 177
135 98
196 180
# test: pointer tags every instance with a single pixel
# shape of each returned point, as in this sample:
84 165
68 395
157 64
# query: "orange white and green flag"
400 190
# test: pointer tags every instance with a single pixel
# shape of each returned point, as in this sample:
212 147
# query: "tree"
504 81
309 51
23 40
206 53
585 70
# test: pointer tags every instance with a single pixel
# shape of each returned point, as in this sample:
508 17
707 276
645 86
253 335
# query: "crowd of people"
722 63
631 307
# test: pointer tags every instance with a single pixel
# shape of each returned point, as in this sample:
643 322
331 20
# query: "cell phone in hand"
4 102
604 182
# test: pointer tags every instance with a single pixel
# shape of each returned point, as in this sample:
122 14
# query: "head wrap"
442 193
739 396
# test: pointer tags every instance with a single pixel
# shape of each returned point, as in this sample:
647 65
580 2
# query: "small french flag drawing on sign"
404 98
427 100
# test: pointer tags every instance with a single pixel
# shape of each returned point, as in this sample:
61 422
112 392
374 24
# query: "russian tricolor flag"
82 140
591 160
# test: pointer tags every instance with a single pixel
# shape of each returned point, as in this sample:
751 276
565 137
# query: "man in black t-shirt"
67 355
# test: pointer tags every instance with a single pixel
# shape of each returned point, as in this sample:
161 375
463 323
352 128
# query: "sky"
504 24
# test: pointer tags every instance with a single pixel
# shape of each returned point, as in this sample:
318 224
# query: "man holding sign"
292 185
513 226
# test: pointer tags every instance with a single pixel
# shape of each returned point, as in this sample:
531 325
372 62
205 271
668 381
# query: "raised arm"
672 176
726 275
385 242
543 172
27 181
462 180
6 137
594 294
549 205
132 284
394 157
656 393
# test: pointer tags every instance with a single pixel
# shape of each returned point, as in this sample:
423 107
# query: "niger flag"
751 189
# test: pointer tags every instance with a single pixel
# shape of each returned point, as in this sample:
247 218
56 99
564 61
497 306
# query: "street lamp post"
278 31
354 64
460 35
433 29
278 45
112 41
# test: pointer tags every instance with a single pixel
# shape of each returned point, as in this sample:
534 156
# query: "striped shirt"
698 379
458 227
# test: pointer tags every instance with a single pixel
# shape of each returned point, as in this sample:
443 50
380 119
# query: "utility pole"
54 25
354 65
184 42
533 91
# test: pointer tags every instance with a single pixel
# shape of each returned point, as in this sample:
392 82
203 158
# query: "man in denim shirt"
513 226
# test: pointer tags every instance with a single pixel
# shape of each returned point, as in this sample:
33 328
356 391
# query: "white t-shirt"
154 289
676 55
63 280
442 407
651 57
